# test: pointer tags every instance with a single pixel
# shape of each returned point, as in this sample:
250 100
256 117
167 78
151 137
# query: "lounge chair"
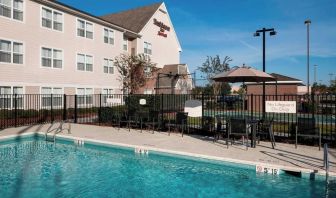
180 123
238 127
221 126
209 125
306 127
150 120
265 128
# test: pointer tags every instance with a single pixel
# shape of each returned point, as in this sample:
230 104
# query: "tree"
332 87
213 66
133 70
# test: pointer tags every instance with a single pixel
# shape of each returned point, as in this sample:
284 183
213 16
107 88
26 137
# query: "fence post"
75 121
64 108
15 109
252 108
99 110
202 121
161 109
51 108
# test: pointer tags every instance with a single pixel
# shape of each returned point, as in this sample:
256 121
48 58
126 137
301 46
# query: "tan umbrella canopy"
243 74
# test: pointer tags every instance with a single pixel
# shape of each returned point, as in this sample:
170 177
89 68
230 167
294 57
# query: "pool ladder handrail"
58 129
326 158
326 167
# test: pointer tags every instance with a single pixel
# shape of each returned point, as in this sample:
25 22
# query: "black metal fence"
19 110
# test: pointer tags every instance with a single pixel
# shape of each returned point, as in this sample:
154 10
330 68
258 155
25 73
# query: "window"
12 9
125 44
108 66
11 97
107 93
108 36
51 96
84 29
52 58
147 48
84 62
11 52
52 19
85 96
148 91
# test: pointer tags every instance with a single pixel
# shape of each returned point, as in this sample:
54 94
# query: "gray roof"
174 69
280 77
134 19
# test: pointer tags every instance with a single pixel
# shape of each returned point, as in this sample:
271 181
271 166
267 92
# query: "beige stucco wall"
164 50
34 36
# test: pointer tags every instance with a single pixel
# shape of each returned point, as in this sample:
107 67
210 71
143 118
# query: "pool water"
35 168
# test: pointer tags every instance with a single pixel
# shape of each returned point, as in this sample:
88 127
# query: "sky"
226 27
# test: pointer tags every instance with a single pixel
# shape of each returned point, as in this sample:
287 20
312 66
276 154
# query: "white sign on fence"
280 106
193 108
142 101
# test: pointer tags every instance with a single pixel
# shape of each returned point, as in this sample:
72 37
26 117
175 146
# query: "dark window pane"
46 62
80 32
18 58
5 57
5 11
58 26
89 34
81 66
18 15
105 69
57 63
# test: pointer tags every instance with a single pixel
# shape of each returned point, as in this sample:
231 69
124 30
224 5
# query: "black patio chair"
180 123
238 127
130 119
221 127
150 119
116 119
209 126
265 128
306 127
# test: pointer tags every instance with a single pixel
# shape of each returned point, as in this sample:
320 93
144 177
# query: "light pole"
307 23
315 76
257 33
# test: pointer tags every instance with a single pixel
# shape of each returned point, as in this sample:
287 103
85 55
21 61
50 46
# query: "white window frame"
52 19
146 48
109 60
53 96
85 62
85 96
110 33
148 91
12 11
11 98
52 57
85 28
123 45
12 51
109 94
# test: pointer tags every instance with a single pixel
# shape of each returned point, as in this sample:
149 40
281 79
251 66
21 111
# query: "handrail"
326 158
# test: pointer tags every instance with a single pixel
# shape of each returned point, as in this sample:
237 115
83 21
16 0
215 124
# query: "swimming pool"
32 167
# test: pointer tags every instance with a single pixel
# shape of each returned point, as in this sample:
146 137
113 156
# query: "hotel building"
47 47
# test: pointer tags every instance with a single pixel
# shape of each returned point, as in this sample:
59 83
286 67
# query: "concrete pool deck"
285 157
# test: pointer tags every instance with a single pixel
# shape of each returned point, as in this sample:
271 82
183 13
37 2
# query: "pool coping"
305 173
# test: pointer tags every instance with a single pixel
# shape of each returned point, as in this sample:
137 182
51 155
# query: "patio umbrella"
244 74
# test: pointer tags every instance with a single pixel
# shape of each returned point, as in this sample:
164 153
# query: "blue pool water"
35 168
